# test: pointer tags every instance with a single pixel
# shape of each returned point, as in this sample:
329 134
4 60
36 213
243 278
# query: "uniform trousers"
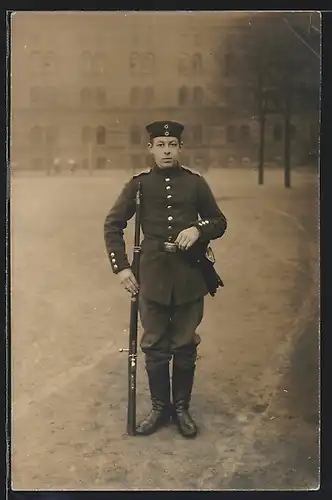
170 332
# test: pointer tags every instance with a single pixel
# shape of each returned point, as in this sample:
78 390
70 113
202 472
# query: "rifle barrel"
132 350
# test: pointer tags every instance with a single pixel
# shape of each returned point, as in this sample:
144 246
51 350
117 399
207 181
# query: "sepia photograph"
164 250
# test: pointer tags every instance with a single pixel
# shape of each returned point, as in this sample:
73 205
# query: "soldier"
178 212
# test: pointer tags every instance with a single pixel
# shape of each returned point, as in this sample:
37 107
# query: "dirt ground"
255 397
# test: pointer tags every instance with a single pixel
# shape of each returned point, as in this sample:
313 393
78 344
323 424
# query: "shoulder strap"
191 171
144 172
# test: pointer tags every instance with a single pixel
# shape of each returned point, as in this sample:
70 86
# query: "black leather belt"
162 246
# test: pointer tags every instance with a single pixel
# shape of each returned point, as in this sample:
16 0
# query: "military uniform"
172 289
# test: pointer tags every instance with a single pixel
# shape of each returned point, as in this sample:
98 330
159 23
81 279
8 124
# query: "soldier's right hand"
128 280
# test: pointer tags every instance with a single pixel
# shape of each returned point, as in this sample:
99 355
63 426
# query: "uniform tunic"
172 199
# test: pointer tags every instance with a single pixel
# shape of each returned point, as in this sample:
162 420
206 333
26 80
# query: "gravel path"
256 390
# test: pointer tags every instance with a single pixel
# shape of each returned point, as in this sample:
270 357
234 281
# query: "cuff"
202 225
118 263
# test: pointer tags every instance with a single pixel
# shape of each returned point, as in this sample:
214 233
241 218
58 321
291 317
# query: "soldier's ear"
149 145
181 144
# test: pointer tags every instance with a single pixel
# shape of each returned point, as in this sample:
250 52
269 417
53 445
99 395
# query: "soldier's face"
165 150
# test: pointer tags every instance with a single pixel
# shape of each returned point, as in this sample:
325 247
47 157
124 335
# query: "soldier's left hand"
187 238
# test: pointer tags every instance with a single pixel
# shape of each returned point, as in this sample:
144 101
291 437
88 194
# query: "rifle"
132 350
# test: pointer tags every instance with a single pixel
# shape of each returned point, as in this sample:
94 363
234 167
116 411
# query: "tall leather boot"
160 414
182 383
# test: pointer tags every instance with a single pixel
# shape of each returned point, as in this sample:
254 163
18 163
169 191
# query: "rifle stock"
132 350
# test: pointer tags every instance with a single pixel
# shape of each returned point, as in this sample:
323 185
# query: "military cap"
165 129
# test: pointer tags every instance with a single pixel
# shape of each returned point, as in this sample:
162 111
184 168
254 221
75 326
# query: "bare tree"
251 73
294 72
280 68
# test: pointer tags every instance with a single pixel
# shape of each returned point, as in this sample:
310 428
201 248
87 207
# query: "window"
51 135
185 160
135 134
101 163
134 61
136 162
244 132
99 63
101 135
36 135
100 97
86 62
148 35
86 97
249 97
35 61
148 65
87 135
35 96
229 93
197 134
198 95
197 40
149 96
199 161
135 39
230 41
231 133
186 136
229 64
183 96
184 66
197 63
50 95
277 132
48 61
134 96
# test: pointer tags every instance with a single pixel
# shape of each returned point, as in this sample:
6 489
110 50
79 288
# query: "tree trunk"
90 157
262 120
287 145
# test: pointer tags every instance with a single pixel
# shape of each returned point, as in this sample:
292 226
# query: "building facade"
85 84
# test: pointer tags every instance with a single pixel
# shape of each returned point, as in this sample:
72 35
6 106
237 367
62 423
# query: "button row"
113 261
203 222
169 196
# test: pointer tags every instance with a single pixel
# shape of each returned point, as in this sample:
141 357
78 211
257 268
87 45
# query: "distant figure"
57 165
72 166
214 164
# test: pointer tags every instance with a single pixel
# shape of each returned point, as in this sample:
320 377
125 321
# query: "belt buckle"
170 247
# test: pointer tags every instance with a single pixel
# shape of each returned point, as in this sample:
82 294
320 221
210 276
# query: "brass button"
168 187
167 179
169 227
170 218
114 261
170 238
169 196
169 206
112 254
115 267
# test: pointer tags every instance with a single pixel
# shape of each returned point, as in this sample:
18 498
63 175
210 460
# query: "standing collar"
169 171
